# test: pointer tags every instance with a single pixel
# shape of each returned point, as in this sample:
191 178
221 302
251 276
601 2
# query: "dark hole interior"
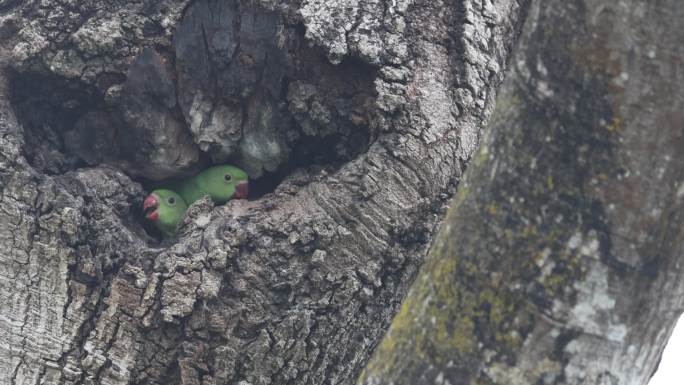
323 111
47 108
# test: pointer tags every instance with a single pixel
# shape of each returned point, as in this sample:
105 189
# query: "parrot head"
226 182
165 209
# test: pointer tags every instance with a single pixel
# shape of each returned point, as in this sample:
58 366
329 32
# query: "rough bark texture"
368 109
561 261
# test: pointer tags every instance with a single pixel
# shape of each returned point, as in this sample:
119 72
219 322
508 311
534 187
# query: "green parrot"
221 183
166 207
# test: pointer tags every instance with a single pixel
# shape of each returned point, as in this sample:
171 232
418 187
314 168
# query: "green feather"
171 209
219 182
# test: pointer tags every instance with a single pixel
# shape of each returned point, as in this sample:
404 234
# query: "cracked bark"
361 115
561 258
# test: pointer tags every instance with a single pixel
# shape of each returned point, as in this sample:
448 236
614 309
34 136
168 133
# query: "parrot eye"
228 177
171 200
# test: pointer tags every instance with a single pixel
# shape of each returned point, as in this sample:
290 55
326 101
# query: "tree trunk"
363 113
561 259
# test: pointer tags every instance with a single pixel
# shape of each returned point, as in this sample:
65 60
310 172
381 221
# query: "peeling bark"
367 110
561 259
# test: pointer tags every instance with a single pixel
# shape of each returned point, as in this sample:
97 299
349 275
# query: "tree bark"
363 113
561 259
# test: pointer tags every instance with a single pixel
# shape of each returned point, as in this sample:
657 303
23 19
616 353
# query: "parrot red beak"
150 206
241 190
